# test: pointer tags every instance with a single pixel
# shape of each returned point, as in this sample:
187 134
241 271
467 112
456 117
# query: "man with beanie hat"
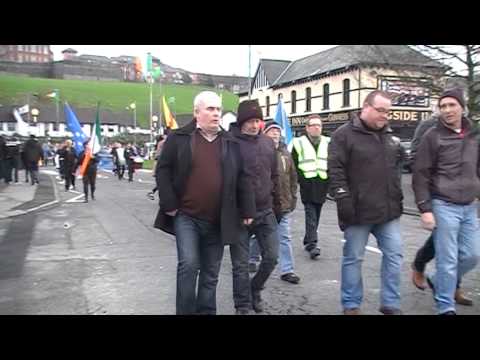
446 183
260 164
427 252
309 154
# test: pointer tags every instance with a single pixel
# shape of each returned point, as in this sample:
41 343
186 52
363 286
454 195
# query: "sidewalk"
22 197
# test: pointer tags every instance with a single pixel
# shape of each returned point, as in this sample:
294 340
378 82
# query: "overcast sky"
210 59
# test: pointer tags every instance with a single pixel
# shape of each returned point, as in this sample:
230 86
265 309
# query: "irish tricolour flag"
93 145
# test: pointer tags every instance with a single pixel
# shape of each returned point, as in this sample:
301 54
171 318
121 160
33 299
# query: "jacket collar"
359 125
466 124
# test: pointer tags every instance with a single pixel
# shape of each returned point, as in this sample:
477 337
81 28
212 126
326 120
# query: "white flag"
24 109
22 127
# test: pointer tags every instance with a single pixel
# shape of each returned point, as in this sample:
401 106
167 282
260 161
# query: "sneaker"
291 278
385 310
252 267
315 253
451 312
352 311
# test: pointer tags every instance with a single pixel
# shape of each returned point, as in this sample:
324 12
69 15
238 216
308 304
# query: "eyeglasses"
381 110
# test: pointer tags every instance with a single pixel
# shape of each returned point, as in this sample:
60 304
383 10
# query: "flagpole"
249 71
151 105
57 98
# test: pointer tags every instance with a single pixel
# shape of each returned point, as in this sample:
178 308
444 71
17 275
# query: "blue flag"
74 127
281 119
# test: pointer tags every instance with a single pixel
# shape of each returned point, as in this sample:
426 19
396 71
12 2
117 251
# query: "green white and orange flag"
170 121
93 145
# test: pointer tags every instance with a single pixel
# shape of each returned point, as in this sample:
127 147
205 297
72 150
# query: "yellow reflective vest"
310 163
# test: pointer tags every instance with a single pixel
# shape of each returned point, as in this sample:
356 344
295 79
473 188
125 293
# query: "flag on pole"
22 127
74 127
24 109
153 66
281 118
133 106
93 145
170 121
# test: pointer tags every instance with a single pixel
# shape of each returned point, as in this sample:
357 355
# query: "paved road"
105 257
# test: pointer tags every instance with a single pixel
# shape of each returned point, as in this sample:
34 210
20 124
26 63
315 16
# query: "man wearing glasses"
309 155
364 163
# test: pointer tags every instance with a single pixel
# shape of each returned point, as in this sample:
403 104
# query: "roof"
273 68
345 56
70 50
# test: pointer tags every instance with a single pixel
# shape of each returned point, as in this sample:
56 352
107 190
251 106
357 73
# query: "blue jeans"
199 251
286 252
390 243
456 238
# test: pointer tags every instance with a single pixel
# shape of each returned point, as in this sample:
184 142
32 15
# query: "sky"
209 59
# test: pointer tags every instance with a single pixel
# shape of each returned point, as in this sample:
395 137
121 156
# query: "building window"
308 100
294 101
55 127
326 97
267 105
11 126
280 96
45 50
20 47
34 48
20 57
346 92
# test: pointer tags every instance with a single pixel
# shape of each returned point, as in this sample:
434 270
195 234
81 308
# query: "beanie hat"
271 125
248 109
456 93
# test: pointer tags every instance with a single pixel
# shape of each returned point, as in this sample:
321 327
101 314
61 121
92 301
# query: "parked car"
408 158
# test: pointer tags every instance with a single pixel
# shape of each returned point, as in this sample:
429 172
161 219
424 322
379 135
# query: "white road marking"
369 248
49 172
75 199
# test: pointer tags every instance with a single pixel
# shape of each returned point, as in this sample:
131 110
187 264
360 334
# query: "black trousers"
89 178
312 218
69 179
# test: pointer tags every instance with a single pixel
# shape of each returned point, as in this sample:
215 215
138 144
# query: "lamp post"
35 114
154 123
133 106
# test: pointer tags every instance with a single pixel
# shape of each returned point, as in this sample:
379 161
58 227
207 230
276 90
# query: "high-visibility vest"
310 163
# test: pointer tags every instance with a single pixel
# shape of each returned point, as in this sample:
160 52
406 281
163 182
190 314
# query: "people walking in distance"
119 159
130 155
446 184
288 201
309 155
158 150
70 164
205 200
260 159
33 154
89 177
364 167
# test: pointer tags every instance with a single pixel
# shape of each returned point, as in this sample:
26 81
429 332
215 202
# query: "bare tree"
463 70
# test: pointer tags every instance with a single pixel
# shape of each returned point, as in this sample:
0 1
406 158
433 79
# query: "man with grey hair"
206 201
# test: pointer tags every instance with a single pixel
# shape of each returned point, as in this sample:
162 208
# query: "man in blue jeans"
206 200
446 184
364 162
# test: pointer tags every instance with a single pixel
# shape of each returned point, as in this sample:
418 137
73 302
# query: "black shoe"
85 201
385 310
241 311
314 253
291 278
93 197
257 302
451 312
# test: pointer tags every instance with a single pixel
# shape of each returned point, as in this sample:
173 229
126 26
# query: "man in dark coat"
260 161
205 200
364 162
33 154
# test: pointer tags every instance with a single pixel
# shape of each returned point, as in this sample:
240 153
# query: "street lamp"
133 106
35 112
154 123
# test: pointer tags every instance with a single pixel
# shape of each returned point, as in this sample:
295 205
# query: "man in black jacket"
364 163
33 154
427 252
446 182
260 160
205 200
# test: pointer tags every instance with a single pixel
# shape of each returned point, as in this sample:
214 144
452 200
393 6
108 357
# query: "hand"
428 221
171 213
247 222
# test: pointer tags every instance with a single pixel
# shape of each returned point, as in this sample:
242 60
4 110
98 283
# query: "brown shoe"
385 310
461 299
353 311
418 279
